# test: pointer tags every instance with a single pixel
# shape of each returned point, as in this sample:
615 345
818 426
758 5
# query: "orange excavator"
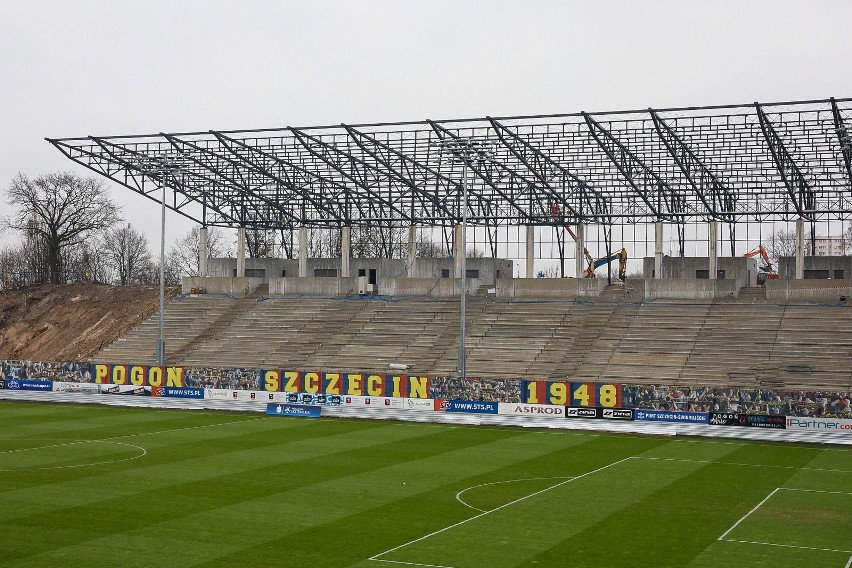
767 268
589 272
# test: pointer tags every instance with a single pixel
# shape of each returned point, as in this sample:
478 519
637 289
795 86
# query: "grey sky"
116 67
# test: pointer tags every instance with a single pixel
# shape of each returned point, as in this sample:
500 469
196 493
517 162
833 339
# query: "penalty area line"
376 558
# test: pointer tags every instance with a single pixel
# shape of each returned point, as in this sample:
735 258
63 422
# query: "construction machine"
767 269
589 272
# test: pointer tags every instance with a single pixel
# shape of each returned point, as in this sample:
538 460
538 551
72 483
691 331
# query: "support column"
530 251
581 247
800 249
714 249
202 251
658 249
457 252
345 250
412 251
241 252
303 252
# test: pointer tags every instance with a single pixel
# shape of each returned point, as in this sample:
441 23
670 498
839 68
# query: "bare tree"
62 209
182 258
127 253
781 243
260 243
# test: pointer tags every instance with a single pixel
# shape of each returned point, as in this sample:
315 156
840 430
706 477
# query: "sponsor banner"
379 385
419 404
2 383
76 387
582 412
441 404
616 413
22 384
819 424
534 410
671 416
187 392
748 420
374 402
126 389
308 398
217 394
139 375
476 407
282 409
563 393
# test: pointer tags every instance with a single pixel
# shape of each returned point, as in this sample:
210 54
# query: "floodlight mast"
464 150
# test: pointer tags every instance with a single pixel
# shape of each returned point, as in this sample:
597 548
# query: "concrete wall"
220 285
490 269
831 264
740 269
295 286
689 288
549 287
833 291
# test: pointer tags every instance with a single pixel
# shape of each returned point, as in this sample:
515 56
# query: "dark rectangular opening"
373 277
702 274
472 273
256 272
362 272
325 272
445 273
838 274
817 274
283 273
720 274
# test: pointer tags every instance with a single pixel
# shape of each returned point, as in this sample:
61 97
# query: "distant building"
829 246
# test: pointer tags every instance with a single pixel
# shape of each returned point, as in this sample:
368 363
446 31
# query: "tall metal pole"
161 345
463 252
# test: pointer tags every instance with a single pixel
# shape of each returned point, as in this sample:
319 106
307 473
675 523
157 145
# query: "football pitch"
106 486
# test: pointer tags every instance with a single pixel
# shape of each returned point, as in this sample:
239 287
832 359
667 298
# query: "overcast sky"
84 67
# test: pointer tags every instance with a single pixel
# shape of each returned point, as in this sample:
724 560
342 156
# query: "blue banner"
183 392
22 384
306 411
671 416
478 407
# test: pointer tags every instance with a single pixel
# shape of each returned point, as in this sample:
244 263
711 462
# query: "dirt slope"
71 322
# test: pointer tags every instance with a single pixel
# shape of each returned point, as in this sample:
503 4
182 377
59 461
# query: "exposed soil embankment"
71 322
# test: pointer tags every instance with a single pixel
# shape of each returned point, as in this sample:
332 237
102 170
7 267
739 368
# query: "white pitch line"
142 455
431 534
788 546
410 563
459 494
848 564
687 460
756 507
816 491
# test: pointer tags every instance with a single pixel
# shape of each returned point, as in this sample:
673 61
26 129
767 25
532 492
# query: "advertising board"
475 407
28 385
126 389
671 416
301 410
89 388
531 410
185 392
599 413
819 424
418 404
563 393
748 420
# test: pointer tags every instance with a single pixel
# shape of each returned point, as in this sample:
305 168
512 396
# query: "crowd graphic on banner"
780 402
484 390
770 402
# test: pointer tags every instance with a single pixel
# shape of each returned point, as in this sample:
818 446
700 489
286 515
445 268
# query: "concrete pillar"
345 250
412 251
658 249
800 249
530 251
714 249
457 252
202 251
303 252
241 252
581 246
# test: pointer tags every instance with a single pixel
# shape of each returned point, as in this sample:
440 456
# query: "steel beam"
715 196
844 135
798 188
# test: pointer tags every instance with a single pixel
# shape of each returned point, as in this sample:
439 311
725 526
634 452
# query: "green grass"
105 486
